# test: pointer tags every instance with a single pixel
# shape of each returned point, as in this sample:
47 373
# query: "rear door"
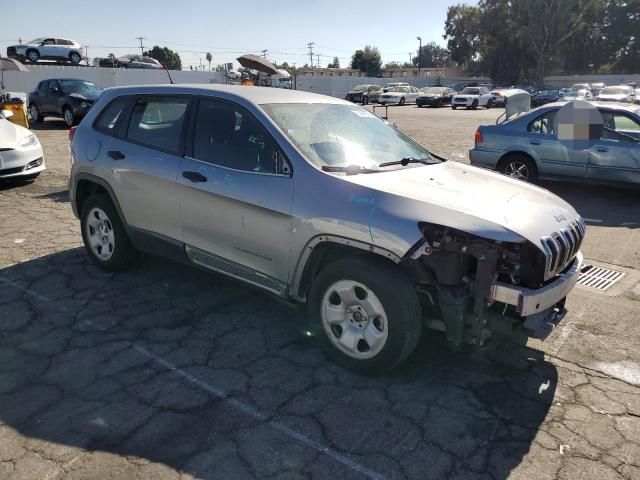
236 196
143 160
554 157
615 157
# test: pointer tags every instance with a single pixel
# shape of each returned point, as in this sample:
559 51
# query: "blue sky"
229 28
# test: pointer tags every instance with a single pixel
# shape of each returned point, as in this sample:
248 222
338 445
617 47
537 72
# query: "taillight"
478 137
72 132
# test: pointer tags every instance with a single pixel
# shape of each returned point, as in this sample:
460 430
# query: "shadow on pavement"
601 205
188 369
50 123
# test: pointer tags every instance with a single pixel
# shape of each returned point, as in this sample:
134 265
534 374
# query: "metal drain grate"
598 277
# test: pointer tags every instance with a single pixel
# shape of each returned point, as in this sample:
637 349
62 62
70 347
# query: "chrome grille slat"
562 246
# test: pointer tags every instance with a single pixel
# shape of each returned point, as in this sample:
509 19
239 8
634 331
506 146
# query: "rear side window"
157 122
543 123
107 121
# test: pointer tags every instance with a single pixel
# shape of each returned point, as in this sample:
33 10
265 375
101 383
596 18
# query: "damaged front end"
473 287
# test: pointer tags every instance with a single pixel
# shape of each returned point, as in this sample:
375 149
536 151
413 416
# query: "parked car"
498 98
47 49
392 85
399 95
596 88
581 86
106 62
472 97
581 94
620 93
527 147
228 178
364 94
69 98
20 151
435 96
545 96
139 61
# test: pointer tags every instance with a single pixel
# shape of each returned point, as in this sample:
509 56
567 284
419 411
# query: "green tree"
621 33
462 29
209 57
432 55
168 58
392 65
367 60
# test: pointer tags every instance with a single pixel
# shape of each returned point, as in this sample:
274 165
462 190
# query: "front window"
343 135
81 87
359 88
35 41
471 91
433 90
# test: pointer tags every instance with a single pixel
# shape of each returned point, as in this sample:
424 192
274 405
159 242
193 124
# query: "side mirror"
7 114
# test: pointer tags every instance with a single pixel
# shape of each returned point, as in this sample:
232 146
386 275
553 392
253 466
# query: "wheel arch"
324 249
86 185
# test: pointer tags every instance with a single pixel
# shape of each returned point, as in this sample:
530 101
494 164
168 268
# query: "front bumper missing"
530 302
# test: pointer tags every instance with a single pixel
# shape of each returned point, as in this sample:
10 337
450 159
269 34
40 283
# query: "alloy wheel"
517 169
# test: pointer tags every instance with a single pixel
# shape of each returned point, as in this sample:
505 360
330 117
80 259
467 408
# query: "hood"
10 134
88 98
613 96
466 96
394 94
355 92
474 200
430 95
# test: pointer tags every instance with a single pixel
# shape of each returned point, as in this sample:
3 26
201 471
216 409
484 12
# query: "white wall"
103 77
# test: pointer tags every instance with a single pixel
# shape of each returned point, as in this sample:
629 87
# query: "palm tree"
209 58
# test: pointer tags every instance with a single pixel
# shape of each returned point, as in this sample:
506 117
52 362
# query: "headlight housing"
84 104
28 141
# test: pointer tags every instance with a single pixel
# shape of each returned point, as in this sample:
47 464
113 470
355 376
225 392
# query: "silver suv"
318 201
47 49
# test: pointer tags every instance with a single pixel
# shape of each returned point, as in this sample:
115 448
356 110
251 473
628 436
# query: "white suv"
47 49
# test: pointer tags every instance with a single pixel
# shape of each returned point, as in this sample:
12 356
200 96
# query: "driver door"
48 48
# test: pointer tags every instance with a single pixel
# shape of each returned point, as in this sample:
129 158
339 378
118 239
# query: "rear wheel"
34 113
453 107
365 100
367 314
489 104
104 235
520 167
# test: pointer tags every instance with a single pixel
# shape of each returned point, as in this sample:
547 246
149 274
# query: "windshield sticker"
364 113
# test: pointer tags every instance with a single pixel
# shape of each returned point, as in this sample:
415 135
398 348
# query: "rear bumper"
484 158
531 302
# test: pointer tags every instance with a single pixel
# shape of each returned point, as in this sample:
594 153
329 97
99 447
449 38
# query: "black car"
545 96
69 98
364 94
435 96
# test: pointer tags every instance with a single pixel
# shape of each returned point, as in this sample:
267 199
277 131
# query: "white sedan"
399 95
472 97
20 151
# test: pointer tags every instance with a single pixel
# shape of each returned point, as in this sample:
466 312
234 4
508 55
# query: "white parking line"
216 392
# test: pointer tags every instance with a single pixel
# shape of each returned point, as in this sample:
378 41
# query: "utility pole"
295 78
419 55
318 60
410 57
310 47
141 46
86 54
264 53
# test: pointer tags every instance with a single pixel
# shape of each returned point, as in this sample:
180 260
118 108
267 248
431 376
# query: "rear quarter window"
112 115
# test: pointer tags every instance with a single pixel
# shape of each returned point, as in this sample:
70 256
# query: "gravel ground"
166 372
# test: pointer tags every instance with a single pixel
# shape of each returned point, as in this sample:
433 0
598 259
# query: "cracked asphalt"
167 372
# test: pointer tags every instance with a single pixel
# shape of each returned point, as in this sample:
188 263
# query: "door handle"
195 177
602 149
116 154
534 142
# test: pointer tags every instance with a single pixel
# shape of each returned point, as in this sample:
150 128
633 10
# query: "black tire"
124 254
365 100
489 104
453 107
75 58
507 165
474 105
402 101
419 105
400 302
34 113
69 117
32 55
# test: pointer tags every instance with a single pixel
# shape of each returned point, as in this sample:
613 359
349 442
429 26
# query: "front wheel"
367 313
474 105
34 113
69 117
33 56
365 100
453 107
104 235
75 57
402 101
